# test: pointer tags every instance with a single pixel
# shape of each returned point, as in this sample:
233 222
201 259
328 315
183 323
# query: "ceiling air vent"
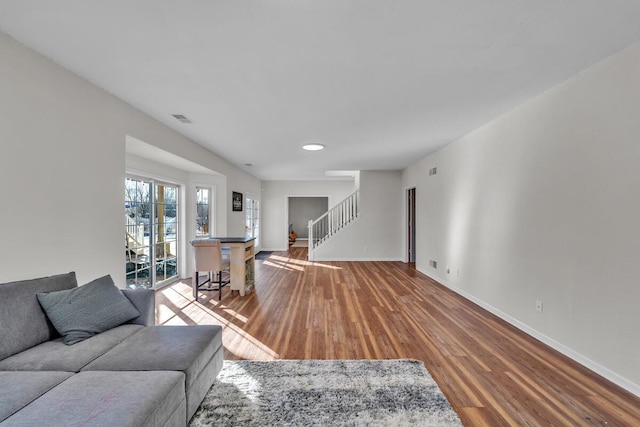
182 118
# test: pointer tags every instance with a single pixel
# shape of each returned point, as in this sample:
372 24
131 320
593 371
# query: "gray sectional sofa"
133 374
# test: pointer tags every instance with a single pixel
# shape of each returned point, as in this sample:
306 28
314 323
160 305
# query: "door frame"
154 181
410 225
327 196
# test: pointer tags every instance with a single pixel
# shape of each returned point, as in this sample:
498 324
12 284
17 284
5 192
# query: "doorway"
411 225
151 232
300 211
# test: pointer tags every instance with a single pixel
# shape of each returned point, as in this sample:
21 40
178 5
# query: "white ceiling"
381 83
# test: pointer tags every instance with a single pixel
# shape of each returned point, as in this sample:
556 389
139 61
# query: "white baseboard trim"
577 357
356 259
273 249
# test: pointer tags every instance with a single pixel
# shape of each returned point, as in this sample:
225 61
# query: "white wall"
275 230
544 204
62 164
236 220
377 234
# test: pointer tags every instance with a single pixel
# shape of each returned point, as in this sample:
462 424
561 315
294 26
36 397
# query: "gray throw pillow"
80 313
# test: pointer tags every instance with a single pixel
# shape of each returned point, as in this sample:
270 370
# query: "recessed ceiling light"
313 147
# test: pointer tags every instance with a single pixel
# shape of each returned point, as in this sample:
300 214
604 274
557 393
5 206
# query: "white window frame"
209 212
251 202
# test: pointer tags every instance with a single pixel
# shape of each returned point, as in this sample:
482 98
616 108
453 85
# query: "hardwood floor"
493 374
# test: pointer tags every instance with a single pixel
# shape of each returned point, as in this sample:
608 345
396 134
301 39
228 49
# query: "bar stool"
209 257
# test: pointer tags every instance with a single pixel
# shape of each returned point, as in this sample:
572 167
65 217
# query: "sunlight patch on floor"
175 308
295 264
283 265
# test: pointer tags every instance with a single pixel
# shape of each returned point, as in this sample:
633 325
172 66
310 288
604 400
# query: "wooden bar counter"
242 262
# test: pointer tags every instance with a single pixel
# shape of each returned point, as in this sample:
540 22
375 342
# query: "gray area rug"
325 393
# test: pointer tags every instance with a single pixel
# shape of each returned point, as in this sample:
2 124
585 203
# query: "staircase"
134 238
333 221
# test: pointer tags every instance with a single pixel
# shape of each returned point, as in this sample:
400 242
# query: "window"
252 222
203 195
165 232
151 235
137 207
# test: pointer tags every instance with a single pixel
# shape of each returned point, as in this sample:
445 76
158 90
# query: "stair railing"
333 221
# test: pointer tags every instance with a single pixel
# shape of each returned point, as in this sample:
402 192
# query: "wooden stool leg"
194 286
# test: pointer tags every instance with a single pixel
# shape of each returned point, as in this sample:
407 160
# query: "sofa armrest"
145 301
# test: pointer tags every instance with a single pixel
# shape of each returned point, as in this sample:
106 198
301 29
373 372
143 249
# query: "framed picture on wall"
236 201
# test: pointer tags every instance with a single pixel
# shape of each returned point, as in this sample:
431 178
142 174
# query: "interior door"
411 225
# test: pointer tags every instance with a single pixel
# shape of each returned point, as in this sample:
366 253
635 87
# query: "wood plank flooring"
493 374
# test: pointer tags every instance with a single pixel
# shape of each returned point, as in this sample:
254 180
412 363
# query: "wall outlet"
539 306
448 270
433 263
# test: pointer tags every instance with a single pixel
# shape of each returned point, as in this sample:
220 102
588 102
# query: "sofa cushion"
24 323
80 313
54 355
144 300
109 399
18 389
189 349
